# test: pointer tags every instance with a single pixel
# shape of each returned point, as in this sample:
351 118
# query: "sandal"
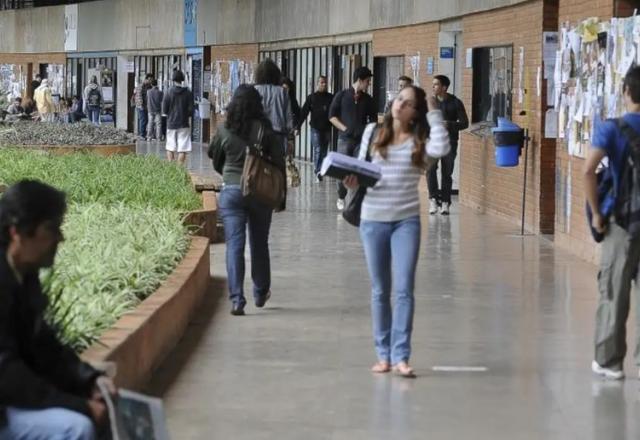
403 369
381 367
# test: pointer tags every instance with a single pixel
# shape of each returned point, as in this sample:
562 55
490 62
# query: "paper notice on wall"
551 94
520 75
469 58
549 50
551 124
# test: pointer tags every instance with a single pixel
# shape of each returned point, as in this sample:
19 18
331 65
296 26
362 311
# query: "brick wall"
483 185
571 229
408 41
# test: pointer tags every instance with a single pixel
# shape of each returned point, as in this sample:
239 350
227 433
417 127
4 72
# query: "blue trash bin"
508 139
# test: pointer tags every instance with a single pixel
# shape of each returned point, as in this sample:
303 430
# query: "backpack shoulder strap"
632 136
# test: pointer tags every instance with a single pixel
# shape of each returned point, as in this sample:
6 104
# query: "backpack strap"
632 137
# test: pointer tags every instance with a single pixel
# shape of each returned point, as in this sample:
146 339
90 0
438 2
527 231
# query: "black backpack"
93 99
627 209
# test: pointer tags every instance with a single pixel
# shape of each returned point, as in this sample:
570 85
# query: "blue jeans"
94 115
142 122
237 213
46 424
391 250
319 144
349 147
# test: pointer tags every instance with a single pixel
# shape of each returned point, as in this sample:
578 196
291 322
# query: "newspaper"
134 416
340 165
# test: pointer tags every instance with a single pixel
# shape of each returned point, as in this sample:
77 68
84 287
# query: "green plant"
113 257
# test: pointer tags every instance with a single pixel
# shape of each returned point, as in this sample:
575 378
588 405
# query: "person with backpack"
390 217
177 104
318 104
92 100
619 141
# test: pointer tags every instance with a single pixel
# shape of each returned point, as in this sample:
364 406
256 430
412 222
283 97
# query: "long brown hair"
418 129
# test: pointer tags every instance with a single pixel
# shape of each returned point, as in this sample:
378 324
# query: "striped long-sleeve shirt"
395 196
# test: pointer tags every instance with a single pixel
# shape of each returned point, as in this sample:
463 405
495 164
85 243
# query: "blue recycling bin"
508 139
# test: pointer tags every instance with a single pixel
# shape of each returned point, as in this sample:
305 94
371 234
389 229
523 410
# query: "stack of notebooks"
340 165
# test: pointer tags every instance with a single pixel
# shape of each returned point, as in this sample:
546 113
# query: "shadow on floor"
164 377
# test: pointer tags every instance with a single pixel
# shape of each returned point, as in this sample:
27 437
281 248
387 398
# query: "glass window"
492 83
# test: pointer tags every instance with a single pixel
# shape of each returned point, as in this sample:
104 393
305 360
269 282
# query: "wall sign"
70 27
447 52
190 22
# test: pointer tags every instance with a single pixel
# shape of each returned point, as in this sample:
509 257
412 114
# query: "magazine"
134 416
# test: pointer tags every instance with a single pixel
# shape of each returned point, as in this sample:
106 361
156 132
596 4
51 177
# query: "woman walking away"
275 100
390 218
245 122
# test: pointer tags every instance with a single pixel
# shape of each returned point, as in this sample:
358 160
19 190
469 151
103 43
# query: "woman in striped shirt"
390 218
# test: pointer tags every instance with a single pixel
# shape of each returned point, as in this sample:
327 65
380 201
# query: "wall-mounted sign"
447 52
190 22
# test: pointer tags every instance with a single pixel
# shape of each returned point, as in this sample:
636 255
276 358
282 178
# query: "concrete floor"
485 298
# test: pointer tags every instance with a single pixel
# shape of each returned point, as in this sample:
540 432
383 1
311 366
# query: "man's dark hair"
245 108
17 99
28 204
322 77
148 76
154 82
178 76
444 80
268 72
632 84
405 78
361 73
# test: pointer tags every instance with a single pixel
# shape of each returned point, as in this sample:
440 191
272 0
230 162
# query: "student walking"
390 218
350 111
318 104
275 101
620 256
455 119
245 121
177 104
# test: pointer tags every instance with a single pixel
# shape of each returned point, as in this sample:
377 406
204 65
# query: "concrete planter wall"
142 338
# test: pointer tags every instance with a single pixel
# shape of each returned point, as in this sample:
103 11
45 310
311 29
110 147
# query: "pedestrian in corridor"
350 111
318 104
455 119
275 101
177 104
154 106
246 124
390 218
620 255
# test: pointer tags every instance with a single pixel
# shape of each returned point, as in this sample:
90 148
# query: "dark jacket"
177 104
36 370
154 100
318 105
454 115
355 111
228 151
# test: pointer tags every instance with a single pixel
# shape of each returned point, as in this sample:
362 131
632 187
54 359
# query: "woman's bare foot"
403 369
381 367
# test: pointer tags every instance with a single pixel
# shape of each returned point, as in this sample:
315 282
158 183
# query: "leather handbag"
355 197
261 179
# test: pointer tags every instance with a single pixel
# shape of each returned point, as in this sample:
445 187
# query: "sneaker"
237 310
318 178
607 373
433 206
340 204
444 210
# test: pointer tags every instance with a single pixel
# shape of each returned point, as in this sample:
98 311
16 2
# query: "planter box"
103 150
142 338
205 219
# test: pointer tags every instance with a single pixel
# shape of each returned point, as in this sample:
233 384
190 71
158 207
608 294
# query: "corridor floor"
501 343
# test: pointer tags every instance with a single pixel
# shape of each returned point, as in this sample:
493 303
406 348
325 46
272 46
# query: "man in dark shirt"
46 391
350 112
318 104
455 119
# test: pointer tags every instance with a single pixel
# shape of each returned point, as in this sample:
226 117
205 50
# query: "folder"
340 165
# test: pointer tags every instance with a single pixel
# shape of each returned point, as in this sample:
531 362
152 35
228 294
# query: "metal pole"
524 185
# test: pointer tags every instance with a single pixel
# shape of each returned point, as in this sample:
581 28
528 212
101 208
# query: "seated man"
16 107
46 391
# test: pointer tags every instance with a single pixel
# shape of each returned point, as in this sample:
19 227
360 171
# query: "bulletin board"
591 62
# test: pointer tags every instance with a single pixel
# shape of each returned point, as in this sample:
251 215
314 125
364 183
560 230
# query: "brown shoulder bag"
261 178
